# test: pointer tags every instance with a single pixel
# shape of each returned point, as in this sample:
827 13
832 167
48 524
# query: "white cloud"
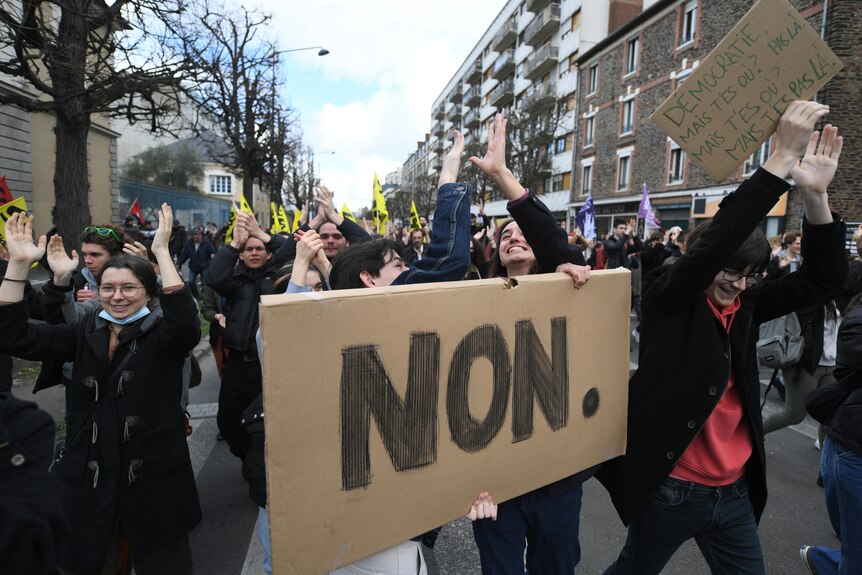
398 56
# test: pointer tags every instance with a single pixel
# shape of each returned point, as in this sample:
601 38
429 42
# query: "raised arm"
22 253
170 276
493 163
815 171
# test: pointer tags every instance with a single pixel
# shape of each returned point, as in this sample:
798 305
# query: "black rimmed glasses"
103 232
128 290
734 276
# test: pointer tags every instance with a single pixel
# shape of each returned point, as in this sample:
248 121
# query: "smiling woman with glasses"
125 471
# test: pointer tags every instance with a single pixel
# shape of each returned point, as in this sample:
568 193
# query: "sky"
369 100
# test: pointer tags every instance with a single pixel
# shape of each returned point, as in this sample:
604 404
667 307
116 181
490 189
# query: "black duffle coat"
126 450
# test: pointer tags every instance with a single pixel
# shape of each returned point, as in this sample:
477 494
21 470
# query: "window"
221 185
623 167
589 130
628 116
557 183
560 145
757 158
631 56
587 179
594 79
676 164
688 26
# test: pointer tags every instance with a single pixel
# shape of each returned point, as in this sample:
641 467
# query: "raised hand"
135 249
493 163
326 204
793 134
816 169
19 240
452 161
62 266
308 245
249 221
163 234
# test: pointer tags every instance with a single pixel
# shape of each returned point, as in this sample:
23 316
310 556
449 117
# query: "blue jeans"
548 524
193 276
447 257
842 484
263 537
720 519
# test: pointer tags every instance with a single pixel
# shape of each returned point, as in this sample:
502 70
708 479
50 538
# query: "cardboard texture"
338 361
732 102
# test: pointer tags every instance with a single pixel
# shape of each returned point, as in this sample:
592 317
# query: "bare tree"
300 176
84 57
238 92
531 139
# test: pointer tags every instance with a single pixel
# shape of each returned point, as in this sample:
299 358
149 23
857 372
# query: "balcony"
439 112
542 61
535 6
474 72
471 119
503 94
546 89
504 64
543 25
505 37
454 114
456 94
472 95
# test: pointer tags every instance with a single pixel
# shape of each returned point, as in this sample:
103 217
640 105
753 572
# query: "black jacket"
617 251
32 523
669 401
126 449
243 287
839 406
254 464
199 259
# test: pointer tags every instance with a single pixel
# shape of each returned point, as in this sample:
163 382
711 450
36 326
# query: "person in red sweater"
694 465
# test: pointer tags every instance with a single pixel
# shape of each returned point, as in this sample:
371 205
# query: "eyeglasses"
734 276
128 290
103 232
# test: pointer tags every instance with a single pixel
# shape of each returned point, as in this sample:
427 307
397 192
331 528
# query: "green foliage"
173 166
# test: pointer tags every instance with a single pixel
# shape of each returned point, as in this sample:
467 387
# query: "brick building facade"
626 77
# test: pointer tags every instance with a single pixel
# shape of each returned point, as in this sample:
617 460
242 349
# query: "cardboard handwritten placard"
732 102
403 403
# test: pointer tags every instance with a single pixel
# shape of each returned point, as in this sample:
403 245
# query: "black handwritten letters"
732 102
408 428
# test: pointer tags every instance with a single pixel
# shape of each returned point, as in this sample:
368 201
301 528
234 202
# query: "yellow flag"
243 205
378 208
347 214
415 223
296 217
276 224
6 211
283 222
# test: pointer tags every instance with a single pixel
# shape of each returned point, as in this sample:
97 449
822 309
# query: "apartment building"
626 76
530 50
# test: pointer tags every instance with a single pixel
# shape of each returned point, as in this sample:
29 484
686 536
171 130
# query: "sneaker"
803 553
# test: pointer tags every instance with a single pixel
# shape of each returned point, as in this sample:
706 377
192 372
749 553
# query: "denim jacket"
447 256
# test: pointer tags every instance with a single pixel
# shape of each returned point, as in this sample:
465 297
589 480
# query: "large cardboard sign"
732 102
389 409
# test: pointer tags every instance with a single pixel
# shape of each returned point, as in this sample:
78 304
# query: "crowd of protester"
116 325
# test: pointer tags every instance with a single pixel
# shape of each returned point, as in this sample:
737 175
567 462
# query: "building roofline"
625 29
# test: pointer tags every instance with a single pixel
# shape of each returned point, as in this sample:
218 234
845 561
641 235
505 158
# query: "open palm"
60 263
816 169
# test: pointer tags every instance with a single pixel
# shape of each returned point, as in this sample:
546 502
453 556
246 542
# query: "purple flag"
645 210
586 218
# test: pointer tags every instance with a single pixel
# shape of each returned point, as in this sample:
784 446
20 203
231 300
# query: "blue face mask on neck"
143 312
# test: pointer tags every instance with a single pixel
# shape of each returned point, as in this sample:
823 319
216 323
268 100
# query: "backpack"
780 342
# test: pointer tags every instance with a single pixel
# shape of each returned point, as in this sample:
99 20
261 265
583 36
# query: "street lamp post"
321 51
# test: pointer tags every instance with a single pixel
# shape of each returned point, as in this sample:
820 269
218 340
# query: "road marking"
201 410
